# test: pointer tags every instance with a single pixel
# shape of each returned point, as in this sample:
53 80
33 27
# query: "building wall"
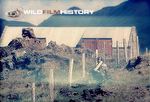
121 53
89 43
107 51
103 45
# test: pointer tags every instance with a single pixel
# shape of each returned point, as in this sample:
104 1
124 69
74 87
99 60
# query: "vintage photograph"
74 51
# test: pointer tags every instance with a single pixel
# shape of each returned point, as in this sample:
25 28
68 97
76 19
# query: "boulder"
16 43
3 52
28 32
67 49
13 96
62 49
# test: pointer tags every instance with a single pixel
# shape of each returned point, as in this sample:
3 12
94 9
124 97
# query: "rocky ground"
23 67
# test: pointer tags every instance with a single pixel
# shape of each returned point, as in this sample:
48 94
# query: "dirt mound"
136 94
84 93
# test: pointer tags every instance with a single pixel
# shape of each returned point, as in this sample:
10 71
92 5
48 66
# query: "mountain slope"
12 23
129 8
129 13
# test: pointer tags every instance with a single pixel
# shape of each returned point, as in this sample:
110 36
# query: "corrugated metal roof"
68 35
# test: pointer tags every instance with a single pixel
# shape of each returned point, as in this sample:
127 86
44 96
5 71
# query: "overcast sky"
9 5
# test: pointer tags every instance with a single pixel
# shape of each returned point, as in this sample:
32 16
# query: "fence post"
33 92
125 50
70 71
51 83
117 45
138 49
131 50
96 56
83 65
146 52
104 51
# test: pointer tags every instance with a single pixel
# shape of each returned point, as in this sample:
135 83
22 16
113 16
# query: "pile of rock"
16 43
66 50
59 49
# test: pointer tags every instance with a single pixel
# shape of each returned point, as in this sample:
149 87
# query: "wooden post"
104 52
146 52
133 41
70 71
138 49
125 50
149 55
131 50
83 65
51 83
117 45
33 92
96 56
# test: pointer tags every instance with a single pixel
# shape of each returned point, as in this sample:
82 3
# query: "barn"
108 41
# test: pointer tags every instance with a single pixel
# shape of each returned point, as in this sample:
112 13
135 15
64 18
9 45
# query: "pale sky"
10 5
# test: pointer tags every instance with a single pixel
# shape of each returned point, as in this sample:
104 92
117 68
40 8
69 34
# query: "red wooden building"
103 45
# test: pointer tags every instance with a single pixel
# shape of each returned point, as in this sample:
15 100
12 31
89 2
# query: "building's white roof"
116 33
69 35
62 35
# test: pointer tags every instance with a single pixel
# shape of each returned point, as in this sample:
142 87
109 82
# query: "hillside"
129 13
12 23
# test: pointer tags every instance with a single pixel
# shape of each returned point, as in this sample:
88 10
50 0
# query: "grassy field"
117 84
122 85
